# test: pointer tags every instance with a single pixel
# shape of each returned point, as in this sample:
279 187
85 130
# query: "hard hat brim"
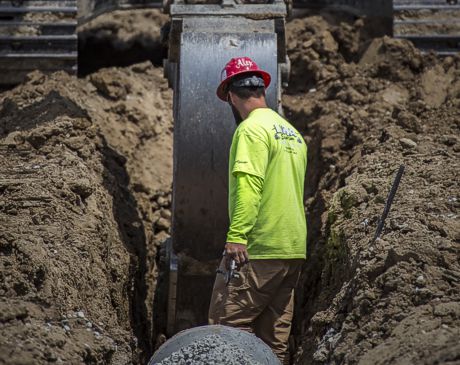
222 95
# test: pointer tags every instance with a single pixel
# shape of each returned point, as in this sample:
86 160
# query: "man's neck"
252 104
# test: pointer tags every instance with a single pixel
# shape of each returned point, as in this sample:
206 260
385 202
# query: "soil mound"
397 300
121 38
86 174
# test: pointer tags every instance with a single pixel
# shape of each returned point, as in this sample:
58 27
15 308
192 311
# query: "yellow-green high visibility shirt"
267 165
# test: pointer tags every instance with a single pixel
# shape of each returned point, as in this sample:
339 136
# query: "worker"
267 233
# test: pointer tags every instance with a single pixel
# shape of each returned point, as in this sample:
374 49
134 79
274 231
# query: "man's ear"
230 97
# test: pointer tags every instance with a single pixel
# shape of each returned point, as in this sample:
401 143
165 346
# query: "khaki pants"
260 301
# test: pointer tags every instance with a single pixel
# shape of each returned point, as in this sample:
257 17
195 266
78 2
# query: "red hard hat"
238 66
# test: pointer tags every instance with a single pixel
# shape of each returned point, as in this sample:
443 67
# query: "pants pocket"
241 282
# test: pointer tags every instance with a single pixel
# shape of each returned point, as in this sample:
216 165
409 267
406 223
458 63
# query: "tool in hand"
230 273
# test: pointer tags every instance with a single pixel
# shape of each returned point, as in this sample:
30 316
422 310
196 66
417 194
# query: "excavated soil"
395 301
121 38
85 194
85 204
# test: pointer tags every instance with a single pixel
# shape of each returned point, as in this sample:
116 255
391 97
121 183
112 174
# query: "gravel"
210 350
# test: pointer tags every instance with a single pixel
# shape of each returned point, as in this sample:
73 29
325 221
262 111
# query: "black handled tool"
388 203
230 273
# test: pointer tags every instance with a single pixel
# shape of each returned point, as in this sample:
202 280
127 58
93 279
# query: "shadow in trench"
125 210
95 52
320 280
309 286
160 301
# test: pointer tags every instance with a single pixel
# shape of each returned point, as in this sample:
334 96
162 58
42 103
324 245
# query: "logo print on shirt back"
285 133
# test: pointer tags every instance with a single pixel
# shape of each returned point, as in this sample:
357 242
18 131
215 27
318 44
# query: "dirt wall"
86 174
395 301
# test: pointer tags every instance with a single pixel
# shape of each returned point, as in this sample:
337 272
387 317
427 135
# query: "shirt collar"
255 111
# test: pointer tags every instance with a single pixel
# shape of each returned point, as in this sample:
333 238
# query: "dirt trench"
85 195
395 301
85 200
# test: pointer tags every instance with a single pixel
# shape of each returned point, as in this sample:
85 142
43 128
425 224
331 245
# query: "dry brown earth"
121 38
396 301
85 192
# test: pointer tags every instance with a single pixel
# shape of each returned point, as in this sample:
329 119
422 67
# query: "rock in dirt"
435 85
407 143
81 187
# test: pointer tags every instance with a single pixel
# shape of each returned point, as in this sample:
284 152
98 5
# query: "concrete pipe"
219 345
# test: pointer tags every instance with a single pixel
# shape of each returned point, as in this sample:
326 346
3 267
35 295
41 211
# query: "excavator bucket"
432 25
203 39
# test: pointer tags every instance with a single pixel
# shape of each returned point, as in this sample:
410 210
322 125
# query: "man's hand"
238 252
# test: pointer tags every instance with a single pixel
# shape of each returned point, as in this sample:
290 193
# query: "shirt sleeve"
251 155
247 201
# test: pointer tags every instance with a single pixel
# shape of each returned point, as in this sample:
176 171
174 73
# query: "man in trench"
267 233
